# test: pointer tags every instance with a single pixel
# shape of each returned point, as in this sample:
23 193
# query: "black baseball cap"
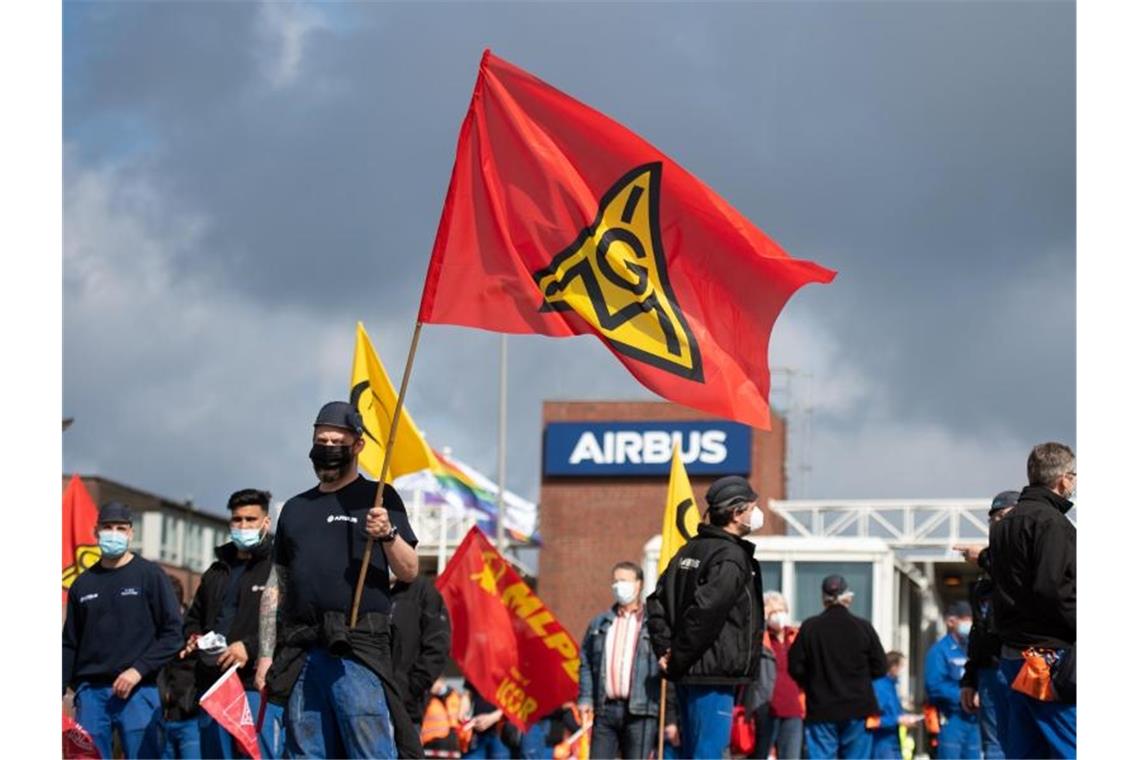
115 512
340 414
959 609
834 585
1004 500
730 489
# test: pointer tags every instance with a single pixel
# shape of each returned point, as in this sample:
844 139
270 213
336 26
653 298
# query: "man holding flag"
705 616
337 679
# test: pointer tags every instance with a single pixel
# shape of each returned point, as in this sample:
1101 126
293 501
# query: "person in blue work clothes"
335 679
885 744
123 625
961 736
228 602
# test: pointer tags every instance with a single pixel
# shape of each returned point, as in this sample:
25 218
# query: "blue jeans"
1034 728
885 744
488 745
138 718
993 693
337 709
960 738
786 733
706 720
619 733
841 738
181 739
534 745
217 742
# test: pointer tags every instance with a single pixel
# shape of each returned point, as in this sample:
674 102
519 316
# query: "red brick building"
590 523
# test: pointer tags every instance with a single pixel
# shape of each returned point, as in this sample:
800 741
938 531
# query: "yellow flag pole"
379 501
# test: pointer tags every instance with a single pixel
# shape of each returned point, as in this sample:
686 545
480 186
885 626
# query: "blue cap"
340 414
115 512
1004 500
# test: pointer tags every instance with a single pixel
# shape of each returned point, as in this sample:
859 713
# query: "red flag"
507 643
77 743
560 221
226 703
80 546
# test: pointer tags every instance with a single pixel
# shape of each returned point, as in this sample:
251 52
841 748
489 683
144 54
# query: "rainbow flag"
469 493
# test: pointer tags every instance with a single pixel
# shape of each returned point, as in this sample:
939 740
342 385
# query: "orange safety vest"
441 722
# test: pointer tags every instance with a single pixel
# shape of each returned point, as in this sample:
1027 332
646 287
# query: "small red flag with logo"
77 743
507 643
226 703
560 221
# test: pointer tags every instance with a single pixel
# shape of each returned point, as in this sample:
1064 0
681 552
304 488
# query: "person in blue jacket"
885 736
961 735
123 625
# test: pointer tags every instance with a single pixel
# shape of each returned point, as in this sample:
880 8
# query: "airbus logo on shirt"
257 589
87 598
342 518
129 592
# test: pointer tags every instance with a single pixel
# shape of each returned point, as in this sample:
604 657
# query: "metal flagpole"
501 528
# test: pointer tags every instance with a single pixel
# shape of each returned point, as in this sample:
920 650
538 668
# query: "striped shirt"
621 648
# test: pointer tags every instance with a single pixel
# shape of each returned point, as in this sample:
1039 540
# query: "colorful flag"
227 703
681 513
506 642
371 392
560 221
80 545
468 494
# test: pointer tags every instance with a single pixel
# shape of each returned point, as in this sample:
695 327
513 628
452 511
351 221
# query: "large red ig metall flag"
504 639
560 221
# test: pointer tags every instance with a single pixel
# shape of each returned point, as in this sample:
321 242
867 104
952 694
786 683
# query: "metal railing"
902 523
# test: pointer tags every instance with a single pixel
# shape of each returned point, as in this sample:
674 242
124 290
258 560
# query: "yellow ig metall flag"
681 513
371 392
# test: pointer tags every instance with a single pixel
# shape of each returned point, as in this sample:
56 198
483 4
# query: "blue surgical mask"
113 543
245 538
964 628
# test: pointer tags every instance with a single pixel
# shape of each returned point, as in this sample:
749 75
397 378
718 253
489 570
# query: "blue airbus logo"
646 448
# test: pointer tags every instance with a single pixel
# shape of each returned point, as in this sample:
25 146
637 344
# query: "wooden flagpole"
379 501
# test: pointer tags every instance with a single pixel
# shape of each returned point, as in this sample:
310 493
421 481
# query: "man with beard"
337 681
1033 561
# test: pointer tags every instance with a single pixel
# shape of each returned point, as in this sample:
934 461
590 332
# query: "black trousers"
617 733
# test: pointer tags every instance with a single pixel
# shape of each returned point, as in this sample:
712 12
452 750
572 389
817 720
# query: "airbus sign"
710 447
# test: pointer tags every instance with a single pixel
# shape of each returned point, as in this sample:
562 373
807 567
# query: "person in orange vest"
440 731
781 720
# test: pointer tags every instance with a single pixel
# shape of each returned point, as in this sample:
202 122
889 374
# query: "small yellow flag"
681 513
371 392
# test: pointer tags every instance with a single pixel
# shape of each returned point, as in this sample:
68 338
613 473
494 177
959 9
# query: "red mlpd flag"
560 221
506 642
226 703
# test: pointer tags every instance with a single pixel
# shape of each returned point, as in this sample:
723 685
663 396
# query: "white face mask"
624 591
756 519
778 621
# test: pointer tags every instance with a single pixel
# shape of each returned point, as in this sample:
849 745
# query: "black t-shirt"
320 539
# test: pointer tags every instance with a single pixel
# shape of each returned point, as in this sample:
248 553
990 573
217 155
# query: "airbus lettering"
646 448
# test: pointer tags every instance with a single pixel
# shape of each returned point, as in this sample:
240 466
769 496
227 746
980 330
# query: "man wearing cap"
336 681
123 625
984 689
1033 561
835 660
706 616
945 665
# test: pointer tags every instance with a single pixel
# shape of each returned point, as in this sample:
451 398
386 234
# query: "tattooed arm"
272 599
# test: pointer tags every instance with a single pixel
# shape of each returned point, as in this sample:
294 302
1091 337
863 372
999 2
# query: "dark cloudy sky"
244 181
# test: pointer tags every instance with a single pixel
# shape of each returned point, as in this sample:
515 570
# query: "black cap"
340 414
728 490
959 609
115 512
834 585
1004 500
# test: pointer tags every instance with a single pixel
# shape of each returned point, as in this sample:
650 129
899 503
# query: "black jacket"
421 641
834 660
178 691
208 603
984 646
707 610
1033 558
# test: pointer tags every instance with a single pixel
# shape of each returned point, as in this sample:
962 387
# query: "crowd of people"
707 665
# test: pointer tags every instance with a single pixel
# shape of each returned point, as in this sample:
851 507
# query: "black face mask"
330 457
